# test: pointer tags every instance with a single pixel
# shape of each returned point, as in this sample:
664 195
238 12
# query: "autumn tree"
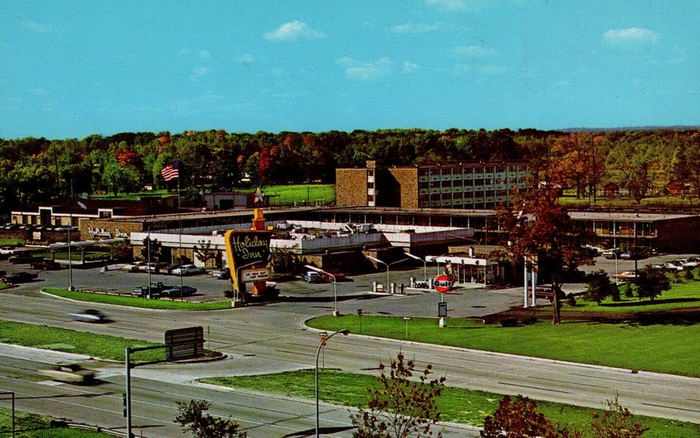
518 418
616 421
578 162
400 407
539 229
193 418
205 252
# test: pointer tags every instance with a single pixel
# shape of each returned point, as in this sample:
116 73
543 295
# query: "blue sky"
74 68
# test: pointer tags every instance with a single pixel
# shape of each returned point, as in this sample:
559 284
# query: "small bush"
228 293
689 275
509 322
571 301
629 293
529 321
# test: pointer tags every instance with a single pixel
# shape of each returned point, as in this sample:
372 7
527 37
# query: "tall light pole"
425 265
387 270
324 338
335 291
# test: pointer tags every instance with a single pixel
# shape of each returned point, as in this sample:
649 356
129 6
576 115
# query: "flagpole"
179 220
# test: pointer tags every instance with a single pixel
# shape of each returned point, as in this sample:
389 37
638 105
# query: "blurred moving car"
69 372
673 266
19 277
89 315
187 270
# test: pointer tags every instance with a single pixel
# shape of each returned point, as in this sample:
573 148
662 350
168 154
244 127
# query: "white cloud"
474 51
292 31
631 35
365 71
198 73
246 58
415 28
35 26
448 5
409 67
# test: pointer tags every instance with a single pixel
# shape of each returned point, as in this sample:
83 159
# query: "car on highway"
19 277
7 251
89 315
626 275
688 263
178 291
187 270
69 372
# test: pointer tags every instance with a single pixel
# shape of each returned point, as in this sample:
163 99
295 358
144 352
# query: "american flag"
171 171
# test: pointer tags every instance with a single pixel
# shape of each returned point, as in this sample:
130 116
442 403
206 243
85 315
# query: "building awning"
62 245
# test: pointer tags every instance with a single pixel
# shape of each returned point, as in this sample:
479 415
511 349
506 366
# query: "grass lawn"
75 255
36 426
302 194
602 202
135 196
52 338
616 345
11 241
4 286
138 302
456 404
679 296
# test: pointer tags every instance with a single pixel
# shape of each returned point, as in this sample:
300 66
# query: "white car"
7 250
187 270
687 263
674 266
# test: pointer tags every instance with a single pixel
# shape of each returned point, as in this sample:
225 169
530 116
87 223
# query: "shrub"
509 322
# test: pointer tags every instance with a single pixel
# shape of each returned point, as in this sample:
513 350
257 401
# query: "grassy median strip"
617 345
681 295
138 302
37 426
456 404
91 344
4 286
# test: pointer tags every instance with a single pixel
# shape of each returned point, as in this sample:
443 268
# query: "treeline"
37 169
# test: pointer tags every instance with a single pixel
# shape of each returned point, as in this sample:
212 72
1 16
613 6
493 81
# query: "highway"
263 339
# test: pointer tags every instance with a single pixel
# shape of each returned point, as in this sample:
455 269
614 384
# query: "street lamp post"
335 291
387 270
324 339
425 265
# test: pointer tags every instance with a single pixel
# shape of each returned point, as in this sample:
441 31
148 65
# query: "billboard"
247 254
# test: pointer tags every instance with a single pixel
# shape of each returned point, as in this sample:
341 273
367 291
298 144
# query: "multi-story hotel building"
449 185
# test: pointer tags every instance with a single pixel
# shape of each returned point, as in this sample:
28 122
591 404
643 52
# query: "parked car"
673 266
593 250
313 277
187 270
626 275
7 250
687 263
45 265
20 277
339 276
185 291
612 253
221 275
89 315
22 258
70 373
155 289
636 253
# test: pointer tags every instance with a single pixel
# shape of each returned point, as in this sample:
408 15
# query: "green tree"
400 407
193 418
599 287
651 282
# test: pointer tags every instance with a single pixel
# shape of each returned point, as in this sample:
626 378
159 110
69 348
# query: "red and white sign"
252 275
443 283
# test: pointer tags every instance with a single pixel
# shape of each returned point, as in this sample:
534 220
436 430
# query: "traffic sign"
443 283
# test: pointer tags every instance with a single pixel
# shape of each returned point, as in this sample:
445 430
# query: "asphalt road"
272 338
